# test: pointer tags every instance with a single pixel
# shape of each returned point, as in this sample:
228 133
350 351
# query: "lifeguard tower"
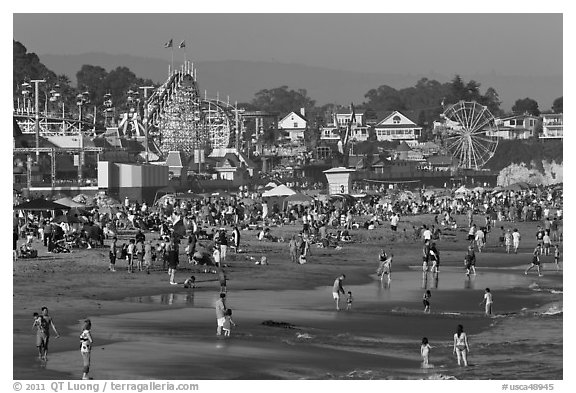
339 180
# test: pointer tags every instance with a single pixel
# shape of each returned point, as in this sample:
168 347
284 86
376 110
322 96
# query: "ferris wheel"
470 133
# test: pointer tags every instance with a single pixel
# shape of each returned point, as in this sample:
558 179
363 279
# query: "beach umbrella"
462 190
478 189
77 211
67 219
40 205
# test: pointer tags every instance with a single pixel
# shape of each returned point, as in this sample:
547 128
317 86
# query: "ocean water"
380 337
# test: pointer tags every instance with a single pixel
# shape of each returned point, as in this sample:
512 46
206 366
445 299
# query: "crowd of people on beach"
209 228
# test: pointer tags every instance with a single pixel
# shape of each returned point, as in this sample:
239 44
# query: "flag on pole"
182 44
168 44
353 111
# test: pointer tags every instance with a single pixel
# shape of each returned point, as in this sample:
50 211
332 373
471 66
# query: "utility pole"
37 122
237 121
146 88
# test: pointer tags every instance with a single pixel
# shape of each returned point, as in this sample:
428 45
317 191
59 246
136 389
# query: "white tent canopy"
462 190
69 202
281 190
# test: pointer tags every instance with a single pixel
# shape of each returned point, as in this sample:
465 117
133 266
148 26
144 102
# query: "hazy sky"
505 44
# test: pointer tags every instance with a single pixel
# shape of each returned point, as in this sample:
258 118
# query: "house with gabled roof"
396 126
295 124
515 127
231 168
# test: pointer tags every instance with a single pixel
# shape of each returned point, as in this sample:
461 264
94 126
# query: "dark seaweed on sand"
284 325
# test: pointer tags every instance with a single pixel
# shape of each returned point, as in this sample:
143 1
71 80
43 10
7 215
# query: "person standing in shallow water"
461 348
338 289
220 313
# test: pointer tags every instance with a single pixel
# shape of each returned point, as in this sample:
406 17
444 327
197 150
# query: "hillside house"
396 126
295 124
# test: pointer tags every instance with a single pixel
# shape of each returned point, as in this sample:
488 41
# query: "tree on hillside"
526 105
384 98
557 106
492 100
98 82
27 66
91 79
282 100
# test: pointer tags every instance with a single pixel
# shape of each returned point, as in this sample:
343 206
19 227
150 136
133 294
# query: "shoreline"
78 285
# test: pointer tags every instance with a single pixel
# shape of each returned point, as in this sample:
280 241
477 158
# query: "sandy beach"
145 328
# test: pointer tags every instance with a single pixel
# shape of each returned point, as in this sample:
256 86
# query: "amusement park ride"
176 117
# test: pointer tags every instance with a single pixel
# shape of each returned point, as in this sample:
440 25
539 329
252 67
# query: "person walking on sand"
535 261
338 289
425 255
112 254
516 240
426 301
172 253
86 348
479 237
508 240
435 258
236 239
148 256
293 249
41 327
557 257
488 300
220 313
425 352
50 324
461 348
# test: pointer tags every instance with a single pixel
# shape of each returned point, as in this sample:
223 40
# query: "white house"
515 127
295 124
396 126
552 126
343 118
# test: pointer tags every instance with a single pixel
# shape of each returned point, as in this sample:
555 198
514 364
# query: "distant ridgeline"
528 161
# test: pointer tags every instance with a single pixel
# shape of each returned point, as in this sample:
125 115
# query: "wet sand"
147 329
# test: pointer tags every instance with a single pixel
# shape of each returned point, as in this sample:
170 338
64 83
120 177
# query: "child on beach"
426 300
190 282
349 301
228 323
86 348
488 300
425 351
